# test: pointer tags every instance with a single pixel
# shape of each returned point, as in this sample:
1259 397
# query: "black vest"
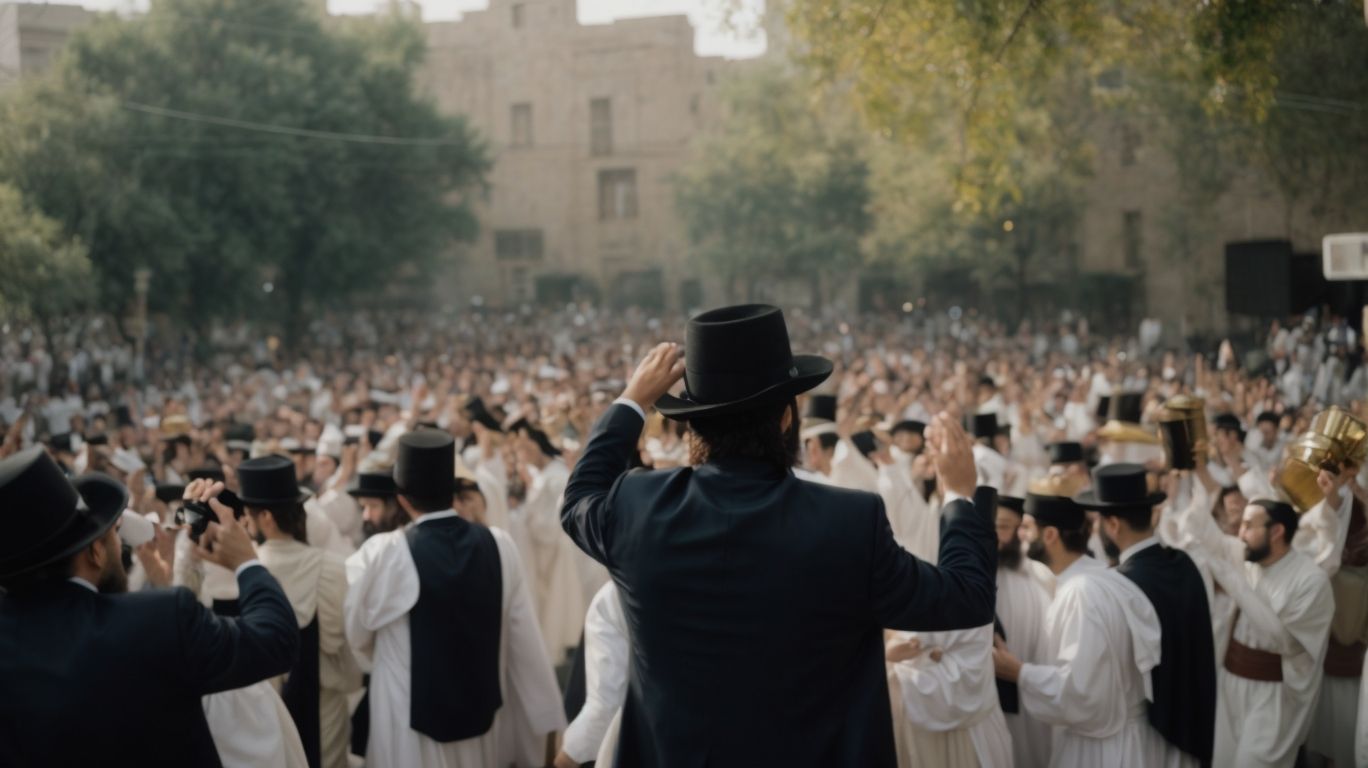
455 629
300 694
1009 697
1184 706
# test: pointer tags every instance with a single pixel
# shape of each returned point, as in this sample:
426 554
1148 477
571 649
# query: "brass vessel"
1183 426
1348 432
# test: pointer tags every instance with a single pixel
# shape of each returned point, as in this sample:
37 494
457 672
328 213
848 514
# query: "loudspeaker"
1259 278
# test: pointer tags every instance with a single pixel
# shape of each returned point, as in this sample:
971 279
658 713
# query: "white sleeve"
1195 529
1322 533
382 587
951 693
605 672
532 682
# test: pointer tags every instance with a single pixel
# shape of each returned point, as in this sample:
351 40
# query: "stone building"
32 34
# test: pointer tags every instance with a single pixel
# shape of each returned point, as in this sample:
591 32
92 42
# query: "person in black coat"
1184 706
92 675
757 601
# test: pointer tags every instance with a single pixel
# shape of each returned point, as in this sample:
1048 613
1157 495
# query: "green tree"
780 190
227 143
46 273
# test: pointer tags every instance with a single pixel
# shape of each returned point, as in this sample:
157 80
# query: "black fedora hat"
1066 452
1060 512
376 485
981 425
268 481
425 464
821 407
1014 503
47 517
1119 487
739 358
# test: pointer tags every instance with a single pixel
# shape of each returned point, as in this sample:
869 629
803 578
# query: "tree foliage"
227 143
46 272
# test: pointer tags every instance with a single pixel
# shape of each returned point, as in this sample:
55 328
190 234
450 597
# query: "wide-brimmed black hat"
1119 487
1066 452
1060 512
981 425
476 409
739 358
269 481
426 461
1017 505
820 407
46 518
376 485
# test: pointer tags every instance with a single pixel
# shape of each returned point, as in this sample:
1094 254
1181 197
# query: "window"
522 125
1130 143
518 244
600 127
519 12
617 194
1130 238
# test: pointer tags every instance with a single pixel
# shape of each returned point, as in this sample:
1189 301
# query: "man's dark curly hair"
757 433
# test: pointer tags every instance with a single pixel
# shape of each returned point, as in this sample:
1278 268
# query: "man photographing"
757 601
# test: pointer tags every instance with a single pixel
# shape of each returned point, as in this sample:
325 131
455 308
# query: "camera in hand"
197 515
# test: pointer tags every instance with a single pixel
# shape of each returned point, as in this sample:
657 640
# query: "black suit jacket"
113 680
757 602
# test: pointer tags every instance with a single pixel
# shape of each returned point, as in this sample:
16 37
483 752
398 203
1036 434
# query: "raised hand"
662 368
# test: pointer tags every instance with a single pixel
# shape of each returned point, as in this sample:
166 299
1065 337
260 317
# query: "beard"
113 579
1257 554
1109 547
1036 551
1009 557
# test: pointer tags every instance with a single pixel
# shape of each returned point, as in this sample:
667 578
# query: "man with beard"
1272 663
1022 602
1104 641
375 491
1183 705
315 582
903 486
98 677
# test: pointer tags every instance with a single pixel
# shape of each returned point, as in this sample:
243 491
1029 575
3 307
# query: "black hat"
1013 503
1103 407
47 517
864 442
377 485
426 461
62 443
908 425
1057 511
738 358
821 407
268 481
1127 407
1066 453
981 425
243 432
213 474
1119 487
169 492
477 411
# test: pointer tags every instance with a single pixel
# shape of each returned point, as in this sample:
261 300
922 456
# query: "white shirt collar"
84 583
1130 551
430 516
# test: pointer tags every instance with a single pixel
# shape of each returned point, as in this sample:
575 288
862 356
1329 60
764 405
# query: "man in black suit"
757 601
1183 709
93 675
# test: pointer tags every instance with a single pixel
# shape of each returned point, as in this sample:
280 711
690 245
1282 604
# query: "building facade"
32 34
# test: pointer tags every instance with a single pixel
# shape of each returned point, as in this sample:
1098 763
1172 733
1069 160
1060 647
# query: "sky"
714 37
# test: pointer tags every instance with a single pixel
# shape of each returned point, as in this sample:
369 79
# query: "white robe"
992 467
850 469
1337 709
606 649
315 582
915 523
383 589
558 584
1104 641
323 533
1285 608
344 512
946 712
251 728
1022 604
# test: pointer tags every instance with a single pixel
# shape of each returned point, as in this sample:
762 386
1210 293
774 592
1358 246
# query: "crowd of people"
1144 615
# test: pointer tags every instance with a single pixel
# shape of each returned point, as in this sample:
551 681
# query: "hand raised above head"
952 452
658 372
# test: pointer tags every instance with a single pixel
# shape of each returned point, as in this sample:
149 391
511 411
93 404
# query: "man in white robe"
945 700
834 460
1022 603
1104 641
606 649
1272 659
384 590
552 564
915 523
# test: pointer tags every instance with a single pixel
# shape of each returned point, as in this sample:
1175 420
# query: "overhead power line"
285 130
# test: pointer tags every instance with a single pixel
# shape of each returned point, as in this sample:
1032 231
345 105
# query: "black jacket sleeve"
221 654
586 514
960 592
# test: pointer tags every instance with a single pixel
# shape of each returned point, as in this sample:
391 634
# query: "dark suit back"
756 604
92 679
